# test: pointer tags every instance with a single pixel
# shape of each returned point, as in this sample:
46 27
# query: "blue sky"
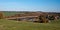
30 5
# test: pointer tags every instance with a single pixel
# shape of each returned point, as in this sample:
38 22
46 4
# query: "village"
40 17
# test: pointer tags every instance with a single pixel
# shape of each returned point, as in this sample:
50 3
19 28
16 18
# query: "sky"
30 5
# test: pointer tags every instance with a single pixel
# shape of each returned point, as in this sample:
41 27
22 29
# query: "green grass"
21 25
9 13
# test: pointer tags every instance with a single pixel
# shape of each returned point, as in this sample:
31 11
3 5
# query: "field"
21 25
8 13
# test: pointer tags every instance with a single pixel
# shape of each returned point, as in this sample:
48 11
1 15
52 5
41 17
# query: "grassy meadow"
21 25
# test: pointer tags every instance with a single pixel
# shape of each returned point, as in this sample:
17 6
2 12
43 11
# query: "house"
33 17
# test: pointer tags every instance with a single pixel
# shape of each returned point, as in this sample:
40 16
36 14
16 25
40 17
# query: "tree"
1 15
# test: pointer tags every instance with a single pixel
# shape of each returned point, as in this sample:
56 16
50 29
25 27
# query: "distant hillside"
7 13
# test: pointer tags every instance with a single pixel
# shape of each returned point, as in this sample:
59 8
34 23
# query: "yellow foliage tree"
1 15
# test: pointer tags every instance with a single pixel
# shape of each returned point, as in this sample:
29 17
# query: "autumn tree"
1 15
